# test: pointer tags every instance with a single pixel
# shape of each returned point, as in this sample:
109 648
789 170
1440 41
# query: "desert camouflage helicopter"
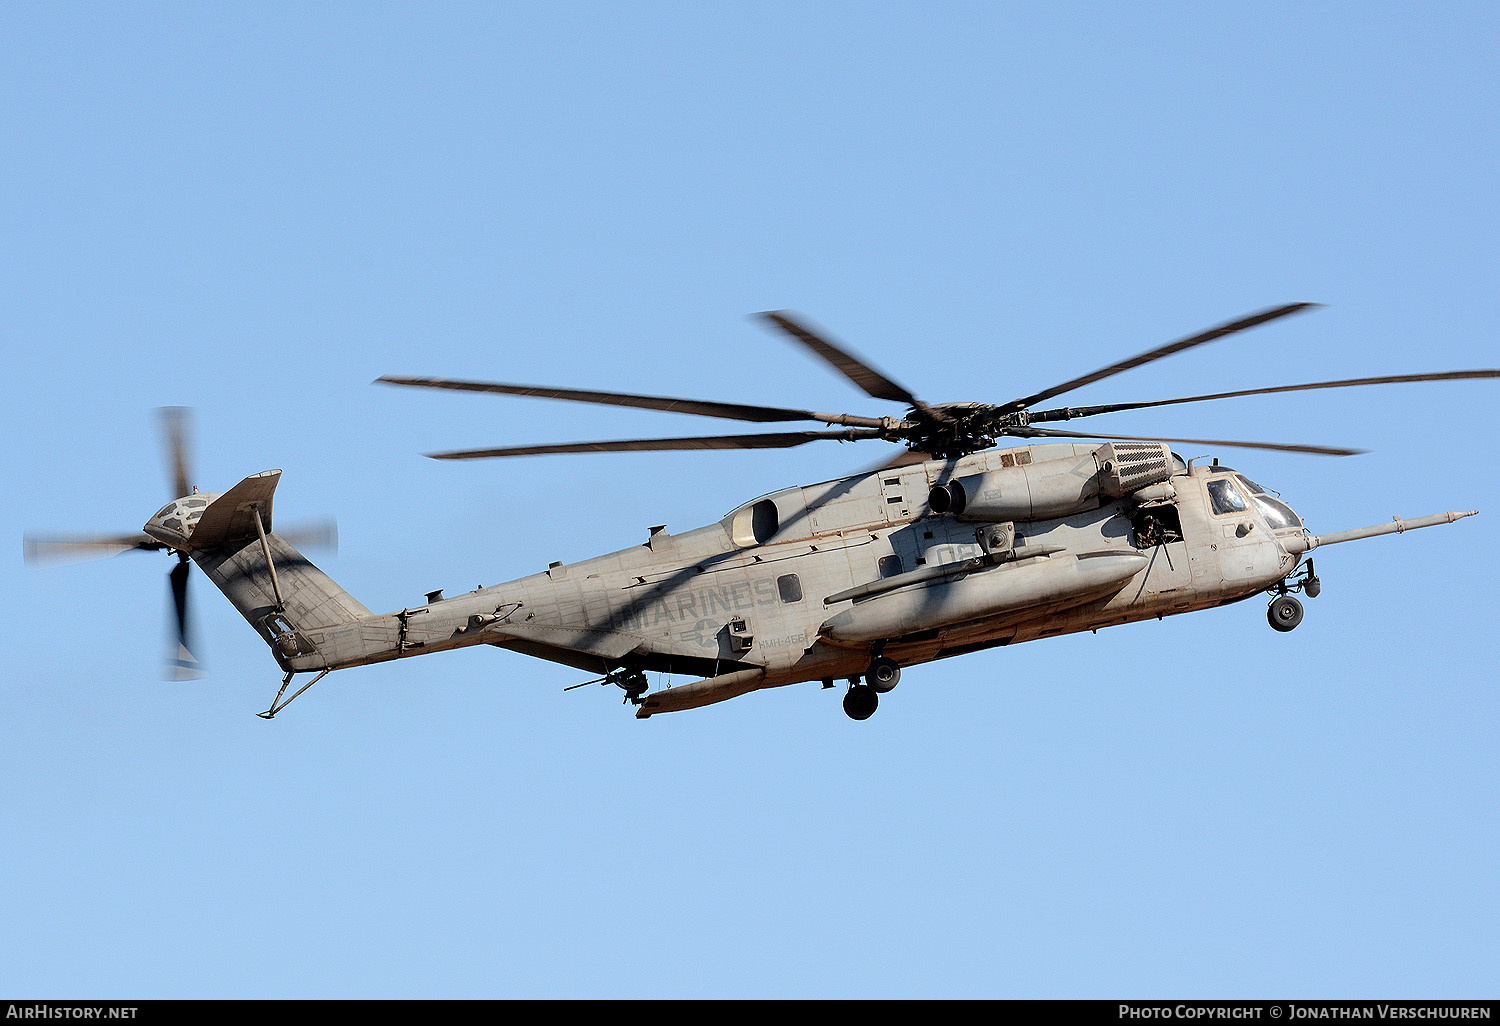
952 547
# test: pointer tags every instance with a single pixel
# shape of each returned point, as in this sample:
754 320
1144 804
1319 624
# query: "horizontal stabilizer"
231 516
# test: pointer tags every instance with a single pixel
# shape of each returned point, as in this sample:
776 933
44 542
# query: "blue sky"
255 210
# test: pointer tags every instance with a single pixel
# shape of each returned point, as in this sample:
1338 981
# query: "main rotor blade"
176 424
44 549
765 441
1090 411
1156 354
856 370
181 663
699 407
908 458
1319 450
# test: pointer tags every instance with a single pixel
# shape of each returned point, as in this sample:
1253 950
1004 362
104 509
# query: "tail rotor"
181 663
172 529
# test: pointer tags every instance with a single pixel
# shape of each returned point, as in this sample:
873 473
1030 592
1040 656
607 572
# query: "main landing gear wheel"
860 702
1285 613
883 674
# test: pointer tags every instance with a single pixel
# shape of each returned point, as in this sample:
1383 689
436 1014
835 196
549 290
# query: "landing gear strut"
1285 612
278 704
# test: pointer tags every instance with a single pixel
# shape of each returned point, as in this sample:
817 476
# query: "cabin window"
890 566
1224 497
1156 525
789 587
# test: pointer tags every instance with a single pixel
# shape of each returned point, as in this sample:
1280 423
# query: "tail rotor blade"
181 663
318 535
176 426
39 549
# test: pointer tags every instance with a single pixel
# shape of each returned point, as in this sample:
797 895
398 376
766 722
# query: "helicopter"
952 546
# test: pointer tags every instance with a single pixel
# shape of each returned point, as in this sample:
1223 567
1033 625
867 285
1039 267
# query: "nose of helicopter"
1278 515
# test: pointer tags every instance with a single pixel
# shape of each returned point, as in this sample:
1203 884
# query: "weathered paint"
684 603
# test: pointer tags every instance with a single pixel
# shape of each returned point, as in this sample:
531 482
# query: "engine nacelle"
1038 491
1054 488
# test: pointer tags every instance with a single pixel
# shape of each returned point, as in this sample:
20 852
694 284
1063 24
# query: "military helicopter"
952 546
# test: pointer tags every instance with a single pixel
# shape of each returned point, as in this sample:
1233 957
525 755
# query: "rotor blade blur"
182 664
698 407
1396 379
856 370
763 441
44 549
176 424
1169 349
1319 450
908 458
318 535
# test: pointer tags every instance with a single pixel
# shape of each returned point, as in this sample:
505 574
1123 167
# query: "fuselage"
746 595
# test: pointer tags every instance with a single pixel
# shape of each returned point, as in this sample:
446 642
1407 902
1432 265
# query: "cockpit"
1234 493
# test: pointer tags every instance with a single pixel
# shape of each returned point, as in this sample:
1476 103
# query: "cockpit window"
1224 497
1277 513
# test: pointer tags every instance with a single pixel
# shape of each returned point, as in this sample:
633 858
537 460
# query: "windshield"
1277 513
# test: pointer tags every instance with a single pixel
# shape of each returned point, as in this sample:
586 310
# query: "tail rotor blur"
181 663
170 528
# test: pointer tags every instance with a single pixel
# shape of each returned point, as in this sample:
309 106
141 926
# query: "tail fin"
275 587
